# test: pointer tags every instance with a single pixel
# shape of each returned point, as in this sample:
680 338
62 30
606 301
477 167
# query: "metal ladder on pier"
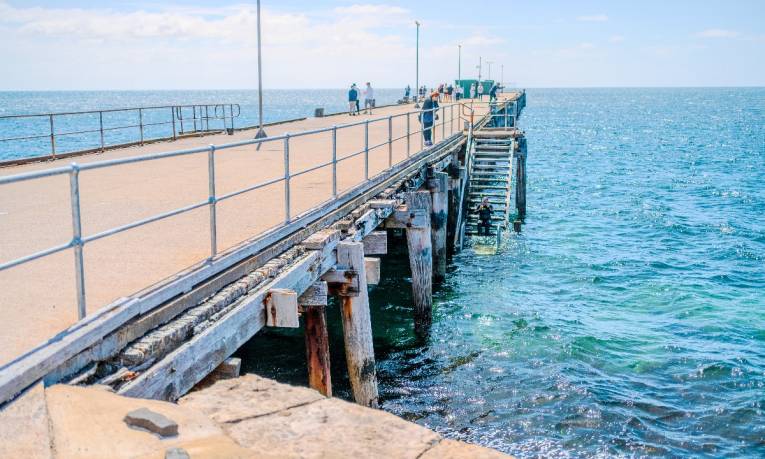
491 176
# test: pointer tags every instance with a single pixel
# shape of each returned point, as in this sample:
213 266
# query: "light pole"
459 64
501 75
261 133
417 65
489 64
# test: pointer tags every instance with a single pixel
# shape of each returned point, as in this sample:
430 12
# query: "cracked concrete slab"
247 397
24 429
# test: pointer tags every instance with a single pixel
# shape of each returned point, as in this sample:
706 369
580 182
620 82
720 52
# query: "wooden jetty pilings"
163 352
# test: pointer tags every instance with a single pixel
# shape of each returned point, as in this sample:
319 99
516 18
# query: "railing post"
212 202
422 133
451 119
366 150
101 128
443 123
140 123
52 137
334 162
287 216
408 148
231 109
172 115
390 141
194 116
79 269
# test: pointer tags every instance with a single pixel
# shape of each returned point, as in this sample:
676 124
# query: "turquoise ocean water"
626 320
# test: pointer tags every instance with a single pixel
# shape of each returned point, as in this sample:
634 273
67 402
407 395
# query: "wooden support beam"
372 267
520 177
421 262
281 308
376 243
357 328
315 295
343 281
439 194
406 217
314 302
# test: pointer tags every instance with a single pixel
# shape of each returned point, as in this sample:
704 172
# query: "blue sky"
194 44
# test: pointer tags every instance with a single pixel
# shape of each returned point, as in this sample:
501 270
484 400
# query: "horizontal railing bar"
145 221
12 139
351 155
35 256
35 175
143 158
311 169
112 110
249 188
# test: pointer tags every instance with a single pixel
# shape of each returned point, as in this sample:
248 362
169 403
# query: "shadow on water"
626 320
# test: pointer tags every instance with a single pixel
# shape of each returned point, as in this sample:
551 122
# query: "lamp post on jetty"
261 133
459 62
501 74
417 68
489 64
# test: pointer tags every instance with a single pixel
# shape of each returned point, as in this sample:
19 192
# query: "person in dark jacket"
353 100
484 210
493 93
427 116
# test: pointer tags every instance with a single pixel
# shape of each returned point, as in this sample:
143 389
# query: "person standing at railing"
369 98
407 93
480 91
353 100
427 116
493 93
473 91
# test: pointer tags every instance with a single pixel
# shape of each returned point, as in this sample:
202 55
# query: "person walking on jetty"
480 91
449 92
369 98
353 100
484 210
427 116
473 91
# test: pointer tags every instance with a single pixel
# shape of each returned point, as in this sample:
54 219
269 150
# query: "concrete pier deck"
246 417
38 298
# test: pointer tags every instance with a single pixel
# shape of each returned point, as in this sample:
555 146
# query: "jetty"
144 268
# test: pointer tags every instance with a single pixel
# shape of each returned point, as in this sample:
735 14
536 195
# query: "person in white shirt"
480 91
369 98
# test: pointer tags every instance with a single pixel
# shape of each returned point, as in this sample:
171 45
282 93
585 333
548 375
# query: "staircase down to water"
491 176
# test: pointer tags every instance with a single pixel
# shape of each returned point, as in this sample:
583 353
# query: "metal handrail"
79 240
200 120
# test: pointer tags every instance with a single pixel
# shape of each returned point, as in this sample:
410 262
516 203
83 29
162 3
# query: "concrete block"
154 422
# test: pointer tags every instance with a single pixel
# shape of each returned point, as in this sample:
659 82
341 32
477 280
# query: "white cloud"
593 18
205 46
616 38
718 33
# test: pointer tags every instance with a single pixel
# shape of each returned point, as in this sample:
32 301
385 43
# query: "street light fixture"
489 64
261 133
417 71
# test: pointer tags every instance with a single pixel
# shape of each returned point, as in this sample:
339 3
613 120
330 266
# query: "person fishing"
484 210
